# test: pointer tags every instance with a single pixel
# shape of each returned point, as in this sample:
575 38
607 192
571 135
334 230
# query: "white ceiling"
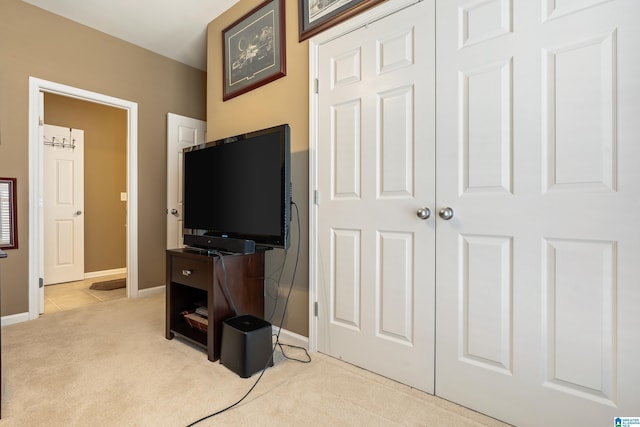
173 28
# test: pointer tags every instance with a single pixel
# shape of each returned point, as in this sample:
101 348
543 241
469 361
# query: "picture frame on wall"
254 49
316 16
8 214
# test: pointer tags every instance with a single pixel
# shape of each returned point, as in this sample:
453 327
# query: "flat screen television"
237 190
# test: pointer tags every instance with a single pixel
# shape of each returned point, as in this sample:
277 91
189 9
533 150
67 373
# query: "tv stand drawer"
189 272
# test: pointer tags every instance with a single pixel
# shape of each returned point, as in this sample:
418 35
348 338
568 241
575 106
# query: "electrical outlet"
123 197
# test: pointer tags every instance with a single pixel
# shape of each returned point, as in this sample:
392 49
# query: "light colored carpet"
110 365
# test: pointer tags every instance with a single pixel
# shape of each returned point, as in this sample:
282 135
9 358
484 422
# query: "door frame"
362 20
36 229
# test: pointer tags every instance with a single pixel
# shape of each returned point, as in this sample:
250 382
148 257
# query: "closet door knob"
446 213
424 213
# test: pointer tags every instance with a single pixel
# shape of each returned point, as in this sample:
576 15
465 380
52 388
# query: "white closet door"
537 155
376 169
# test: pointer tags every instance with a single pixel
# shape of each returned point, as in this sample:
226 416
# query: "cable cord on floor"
279 344
277 341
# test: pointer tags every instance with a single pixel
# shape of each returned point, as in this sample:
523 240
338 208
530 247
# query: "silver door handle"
423 213
174 212
78 213
446 213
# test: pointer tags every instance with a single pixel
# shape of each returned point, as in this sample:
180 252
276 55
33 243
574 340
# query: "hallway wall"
39 44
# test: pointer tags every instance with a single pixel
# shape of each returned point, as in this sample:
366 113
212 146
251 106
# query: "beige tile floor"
70 295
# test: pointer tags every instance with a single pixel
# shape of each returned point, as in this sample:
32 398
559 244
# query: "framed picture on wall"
254 49
316 16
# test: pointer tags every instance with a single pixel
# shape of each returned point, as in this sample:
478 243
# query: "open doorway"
37 89
84 202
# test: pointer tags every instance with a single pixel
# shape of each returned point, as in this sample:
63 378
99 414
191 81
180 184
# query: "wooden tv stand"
195 278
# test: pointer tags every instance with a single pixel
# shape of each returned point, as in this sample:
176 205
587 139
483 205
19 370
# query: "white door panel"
182 132
537 157
63 204
376 146
537 271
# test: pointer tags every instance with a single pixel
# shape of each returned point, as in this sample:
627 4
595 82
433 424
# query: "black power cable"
280 269
277 343
225 287
308 359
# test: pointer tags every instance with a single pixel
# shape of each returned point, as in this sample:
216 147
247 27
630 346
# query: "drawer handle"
186 273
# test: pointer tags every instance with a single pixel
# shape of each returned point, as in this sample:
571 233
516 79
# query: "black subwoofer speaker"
246 344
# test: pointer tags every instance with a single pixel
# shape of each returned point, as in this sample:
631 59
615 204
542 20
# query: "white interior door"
376 169
538 154
63 204
182 132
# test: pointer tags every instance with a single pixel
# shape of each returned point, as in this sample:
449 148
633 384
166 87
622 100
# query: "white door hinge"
316 197
316 85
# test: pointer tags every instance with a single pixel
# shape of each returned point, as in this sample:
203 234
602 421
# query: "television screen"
239 187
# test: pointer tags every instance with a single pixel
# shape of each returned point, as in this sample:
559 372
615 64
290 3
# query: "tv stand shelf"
196 279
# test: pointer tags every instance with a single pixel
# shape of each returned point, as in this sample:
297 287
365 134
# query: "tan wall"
105 176
39 44
285 100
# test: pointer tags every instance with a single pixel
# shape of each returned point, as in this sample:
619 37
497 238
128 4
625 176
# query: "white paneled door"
538 154
527 270
376 157
63 204
182 132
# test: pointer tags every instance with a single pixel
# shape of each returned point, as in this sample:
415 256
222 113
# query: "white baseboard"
151 291
94 274
291 338
14 318
23 317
